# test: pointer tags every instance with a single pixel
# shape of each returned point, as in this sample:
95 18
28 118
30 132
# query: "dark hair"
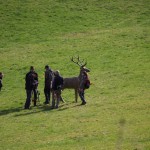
47 67
31 68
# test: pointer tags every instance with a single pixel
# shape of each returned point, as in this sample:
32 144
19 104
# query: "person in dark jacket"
35 86
29 85
56 87
48 84
82 87
1 77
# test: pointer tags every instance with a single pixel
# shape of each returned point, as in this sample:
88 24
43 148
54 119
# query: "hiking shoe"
83 103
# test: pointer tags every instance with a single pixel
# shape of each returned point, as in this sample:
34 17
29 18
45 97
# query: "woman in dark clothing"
56 87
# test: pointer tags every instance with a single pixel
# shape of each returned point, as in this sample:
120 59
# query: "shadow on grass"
39 108
10 110
34 110
18 110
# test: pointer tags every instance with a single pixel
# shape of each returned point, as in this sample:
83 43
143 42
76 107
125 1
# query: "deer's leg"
76 95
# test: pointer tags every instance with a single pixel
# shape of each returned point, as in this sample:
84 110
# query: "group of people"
53 84
52 87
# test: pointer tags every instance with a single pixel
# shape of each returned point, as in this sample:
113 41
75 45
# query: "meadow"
113 37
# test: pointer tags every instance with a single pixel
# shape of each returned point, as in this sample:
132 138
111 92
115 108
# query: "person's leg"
35 96
81 94
53 99
58 93
46 96
28 99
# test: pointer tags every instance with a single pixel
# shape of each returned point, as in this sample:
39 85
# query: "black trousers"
35 96
47 93
28 99
56 97
81 94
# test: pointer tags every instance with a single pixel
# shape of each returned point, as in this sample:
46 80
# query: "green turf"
113 36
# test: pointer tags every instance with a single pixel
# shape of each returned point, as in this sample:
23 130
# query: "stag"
74 82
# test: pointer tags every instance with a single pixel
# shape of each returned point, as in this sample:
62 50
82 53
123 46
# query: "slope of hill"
113 36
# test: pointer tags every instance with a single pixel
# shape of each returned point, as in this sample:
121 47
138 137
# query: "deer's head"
81 64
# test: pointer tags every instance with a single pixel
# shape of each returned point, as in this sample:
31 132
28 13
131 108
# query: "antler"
78 61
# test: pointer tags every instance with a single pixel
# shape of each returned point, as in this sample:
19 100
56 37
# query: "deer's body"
71 83
74 82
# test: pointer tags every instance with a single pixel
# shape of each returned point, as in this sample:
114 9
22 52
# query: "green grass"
114 38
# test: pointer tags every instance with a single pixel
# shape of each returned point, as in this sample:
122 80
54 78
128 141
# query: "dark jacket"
48 78
83 81
29 81
57 83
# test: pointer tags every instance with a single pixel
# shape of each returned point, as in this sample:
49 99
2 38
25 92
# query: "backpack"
87 84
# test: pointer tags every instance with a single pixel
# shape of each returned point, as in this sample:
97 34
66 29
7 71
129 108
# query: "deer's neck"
80 75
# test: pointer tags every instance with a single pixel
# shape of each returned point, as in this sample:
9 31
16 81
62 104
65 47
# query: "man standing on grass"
48 84
29 85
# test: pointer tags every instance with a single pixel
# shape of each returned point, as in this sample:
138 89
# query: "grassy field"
113 36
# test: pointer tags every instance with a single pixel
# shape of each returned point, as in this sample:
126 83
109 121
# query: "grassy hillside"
113 36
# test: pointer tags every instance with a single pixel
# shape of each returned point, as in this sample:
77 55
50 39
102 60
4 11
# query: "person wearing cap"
29 86
1 77
56 87
48 84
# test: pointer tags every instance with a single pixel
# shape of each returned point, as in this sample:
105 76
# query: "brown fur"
74 82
